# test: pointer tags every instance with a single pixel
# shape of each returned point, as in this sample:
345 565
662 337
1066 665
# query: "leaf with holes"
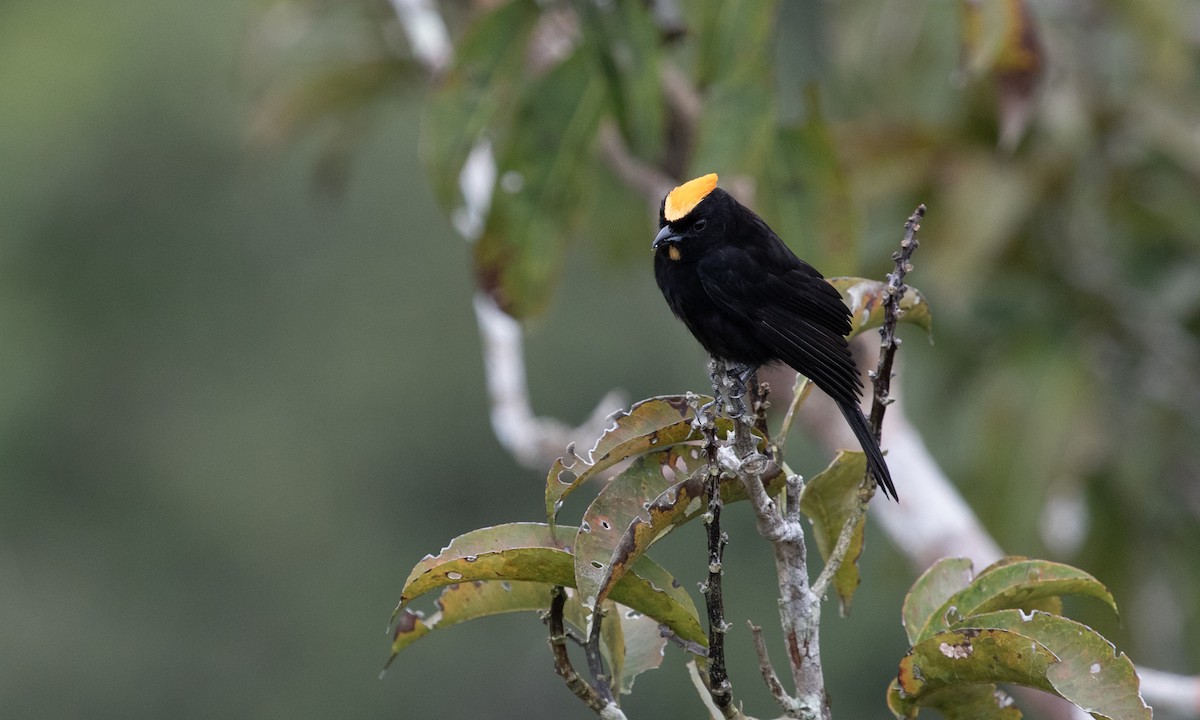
967 657
468 601
677 505
651 424
616 507
829 500
1014 582
1090 672
935 586
865 300
539 553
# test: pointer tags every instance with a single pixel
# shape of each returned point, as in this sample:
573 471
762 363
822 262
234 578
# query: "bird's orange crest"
684 198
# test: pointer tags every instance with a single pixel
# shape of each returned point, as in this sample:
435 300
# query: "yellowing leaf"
865 300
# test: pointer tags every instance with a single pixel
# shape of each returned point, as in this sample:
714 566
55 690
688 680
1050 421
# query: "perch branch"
799 609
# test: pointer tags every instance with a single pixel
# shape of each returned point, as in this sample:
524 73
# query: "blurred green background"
241 389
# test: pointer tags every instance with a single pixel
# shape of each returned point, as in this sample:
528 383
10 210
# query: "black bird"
750 301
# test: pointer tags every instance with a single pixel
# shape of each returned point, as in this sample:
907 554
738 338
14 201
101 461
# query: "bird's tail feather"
875 463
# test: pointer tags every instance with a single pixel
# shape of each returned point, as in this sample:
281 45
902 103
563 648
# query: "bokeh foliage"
210 424
1052 144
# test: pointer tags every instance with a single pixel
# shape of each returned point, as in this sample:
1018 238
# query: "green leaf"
829 500
967 657
734 41
627 41
541 553
468 601
809 200
865 300
612 639
644 645
735 45
544 167
972 702
477 96
935 586
1014 583
623 500
1089 673
651 424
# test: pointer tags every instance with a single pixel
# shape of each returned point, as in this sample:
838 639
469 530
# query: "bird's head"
689 215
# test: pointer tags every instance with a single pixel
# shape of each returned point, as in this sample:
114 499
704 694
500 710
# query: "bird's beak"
666 235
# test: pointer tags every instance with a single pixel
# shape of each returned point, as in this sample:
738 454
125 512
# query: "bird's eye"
700 225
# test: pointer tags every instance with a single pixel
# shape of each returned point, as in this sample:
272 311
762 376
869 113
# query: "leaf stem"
562 660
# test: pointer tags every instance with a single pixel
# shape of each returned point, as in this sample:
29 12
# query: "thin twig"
800 393
562 660
838 555
768 671
882 379
718 678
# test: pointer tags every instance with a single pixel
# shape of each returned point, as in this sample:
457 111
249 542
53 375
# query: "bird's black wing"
801 319
791 310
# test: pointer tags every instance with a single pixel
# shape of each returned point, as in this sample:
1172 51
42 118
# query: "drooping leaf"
543 164
468 601
644 646
865 300
935 586
967 657
829 500
642 639
972 702
540 553
477 96
651 424
1090 672
1013 583
677 505
615 508
612 639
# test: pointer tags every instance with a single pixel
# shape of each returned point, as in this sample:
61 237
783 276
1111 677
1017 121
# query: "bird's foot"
729 383
705 414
